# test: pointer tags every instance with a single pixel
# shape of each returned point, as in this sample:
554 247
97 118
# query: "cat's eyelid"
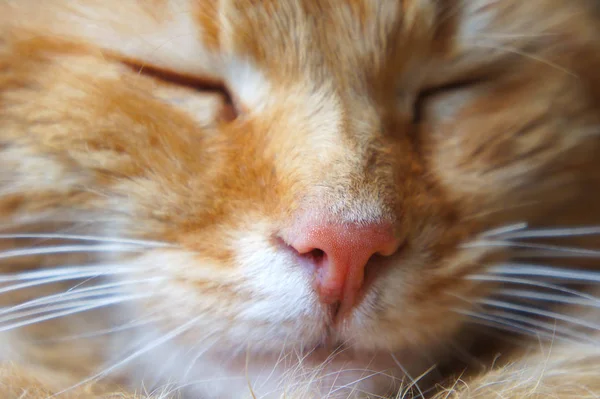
231 108
424 94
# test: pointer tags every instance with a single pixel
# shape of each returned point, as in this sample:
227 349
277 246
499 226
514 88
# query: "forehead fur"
322 82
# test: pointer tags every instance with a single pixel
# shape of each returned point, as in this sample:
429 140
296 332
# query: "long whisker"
542 249
68 312
77 294
68 249
504 230
99 333
550 327
549 233
59 306
501 323
87 238
538 312
533 295
531 56
198 355
532 283
74 276
523 269
56 272
165 338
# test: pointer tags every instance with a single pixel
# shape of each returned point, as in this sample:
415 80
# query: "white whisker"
99 333
547 297
280 359
414 382
538 312
542 249
165 338
532 283
55 272
74 276
498 322
87 238
12 316
550 327
350 384
78 294
522 269
198 355
549 233
327 375
80 309
531 56
504 230
68 249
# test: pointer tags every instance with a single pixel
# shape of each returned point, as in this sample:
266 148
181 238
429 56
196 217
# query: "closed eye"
230 110
420 103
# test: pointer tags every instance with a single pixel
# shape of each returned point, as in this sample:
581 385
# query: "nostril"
316 257
316 254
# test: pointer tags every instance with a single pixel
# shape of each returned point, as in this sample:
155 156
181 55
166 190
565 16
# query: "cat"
299 198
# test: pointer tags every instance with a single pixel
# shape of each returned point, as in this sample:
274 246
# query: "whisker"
547 297
334 373
350 384
74 276
414 382
500 323
551 250
538 312
282 356
523 269
80 309
68 249
549 233
54 307
532 283
165 338
54 272
550 327
504 230
531 56
78 294
198 355
87 238
99 333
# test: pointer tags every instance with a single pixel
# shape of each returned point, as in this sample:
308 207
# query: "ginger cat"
299 198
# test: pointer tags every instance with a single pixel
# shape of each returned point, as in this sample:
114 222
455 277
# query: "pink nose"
340 253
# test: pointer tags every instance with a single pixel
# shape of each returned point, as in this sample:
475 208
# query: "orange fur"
212 126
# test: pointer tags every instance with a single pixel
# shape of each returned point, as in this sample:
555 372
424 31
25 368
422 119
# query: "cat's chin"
321 372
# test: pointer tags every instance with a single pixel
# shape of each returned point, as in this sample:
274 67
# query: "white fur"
248 84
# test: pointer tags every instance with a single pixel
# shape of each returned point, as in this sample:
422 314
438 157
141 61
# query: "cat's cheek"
282 293
271 272
263 298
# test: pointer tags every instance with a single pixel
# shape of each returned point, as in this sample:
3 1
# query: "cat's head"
304 173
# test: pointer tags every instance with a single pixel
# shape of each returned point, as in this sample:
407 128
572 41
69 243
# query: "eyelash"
230 109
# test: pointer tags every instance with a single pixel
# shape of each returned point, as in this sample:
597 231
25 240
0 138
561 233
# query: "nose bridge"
340 155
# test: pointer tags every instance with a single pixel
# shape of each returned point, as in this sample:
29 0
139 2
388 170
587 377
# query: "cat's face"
329 195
